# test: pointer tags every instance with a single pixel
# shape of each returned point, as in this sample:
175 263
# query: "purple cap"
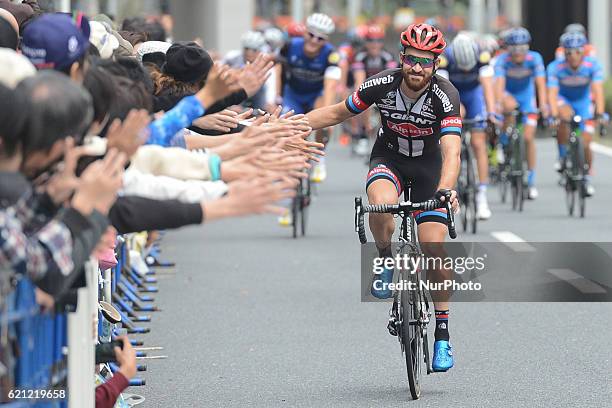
55 41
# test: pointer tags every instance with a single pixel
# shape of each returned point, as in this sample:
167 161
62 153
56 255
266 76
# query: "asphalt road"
252 317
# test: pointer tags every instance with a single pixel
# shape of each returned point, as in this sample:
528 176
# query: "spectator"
23 12
14 67
107 393
9 30
53 41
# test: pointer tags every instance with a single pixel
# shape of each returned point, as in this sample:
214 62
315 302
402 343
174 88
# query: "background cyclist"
253 43
373 59
589 49
469 71
419 141
572 84
311 74
519 72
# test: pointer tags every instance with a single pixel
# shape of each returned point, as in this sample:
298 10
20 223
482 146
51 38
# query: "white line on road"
513 241
581 283
599 148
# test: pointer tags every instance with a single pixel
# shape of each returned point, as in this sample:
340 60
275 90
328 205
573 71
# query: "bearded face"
416 79
417 68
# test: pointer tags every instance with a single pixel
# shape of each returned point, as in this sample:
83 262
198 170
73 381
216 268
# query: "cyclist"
369 62
516 71
419 141
275 39
589 49
310 67
296 30
572 83
253 42
347 50
469 71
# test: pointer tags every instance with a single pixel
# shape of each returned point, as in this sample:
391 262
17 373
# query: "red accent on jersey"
409 130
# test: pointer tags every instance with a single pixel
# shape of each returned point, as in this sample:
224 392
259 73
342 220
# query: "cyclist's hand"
442 195
495 118
552 122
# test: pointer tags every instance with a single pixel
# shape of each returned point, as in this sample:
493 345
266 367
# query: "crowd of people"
107 131
103 133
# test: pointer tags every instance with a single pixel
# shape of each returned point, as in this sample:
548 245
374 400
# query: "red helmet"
375 32
296 29
423 37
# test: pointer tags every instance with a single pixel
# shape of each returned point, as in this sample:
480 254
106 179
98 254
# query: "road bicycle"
466 182
513 170
299 206
410 313
574 169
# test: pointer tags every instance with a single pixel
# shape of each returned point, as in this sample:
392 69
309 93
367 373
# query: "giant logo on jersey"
387 79
406 116
408 129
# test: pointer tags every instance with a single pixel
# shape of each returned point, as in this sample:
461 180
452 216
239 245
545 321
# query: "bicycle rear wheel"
295 210
473 207
581 175
305 203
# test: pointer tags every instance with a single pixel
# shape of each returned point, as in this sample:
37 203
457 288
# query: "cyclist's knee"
431 236
509 103
566 112
382 192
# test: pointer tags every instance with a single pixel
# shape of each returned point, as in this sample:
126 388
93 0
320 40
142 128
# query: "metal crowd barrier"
56 351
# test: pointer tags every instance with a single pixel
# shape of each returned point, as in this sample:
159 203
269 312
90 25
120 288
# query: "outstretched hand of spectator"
253 76
126 358
99 183
129 135
221 82
255 196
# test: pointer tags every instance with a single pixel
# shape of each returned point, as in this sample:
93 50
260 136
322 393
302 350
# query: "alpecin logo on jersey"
409 130
376 81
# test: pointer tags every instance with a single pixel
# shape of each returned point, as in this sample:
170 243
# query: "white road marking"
581 283
513 241
599 148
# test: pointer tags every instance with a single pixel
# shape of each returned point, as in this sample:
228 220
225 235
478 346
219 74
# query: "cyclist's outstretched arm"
328 115
499 86
488 91
450 145
598 97
360 77
553 92
329 91
540 82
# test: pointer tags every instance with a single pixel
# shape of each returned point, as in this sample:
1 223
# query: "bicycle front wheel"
412 339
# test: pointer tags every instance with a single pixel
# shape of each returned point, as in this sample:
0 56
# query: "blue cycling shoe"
442 356
380 288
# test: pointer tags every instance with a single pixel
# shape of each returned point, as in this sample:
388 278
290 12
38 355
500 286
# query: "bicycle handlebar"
404 207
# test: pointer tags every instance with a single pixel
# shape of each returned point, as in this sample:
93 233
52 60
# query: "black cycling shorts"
423 174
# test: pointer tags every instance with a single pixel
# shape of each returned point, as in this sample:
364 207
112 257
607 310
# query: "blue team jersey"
303 74
574 85
463 80
520 77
